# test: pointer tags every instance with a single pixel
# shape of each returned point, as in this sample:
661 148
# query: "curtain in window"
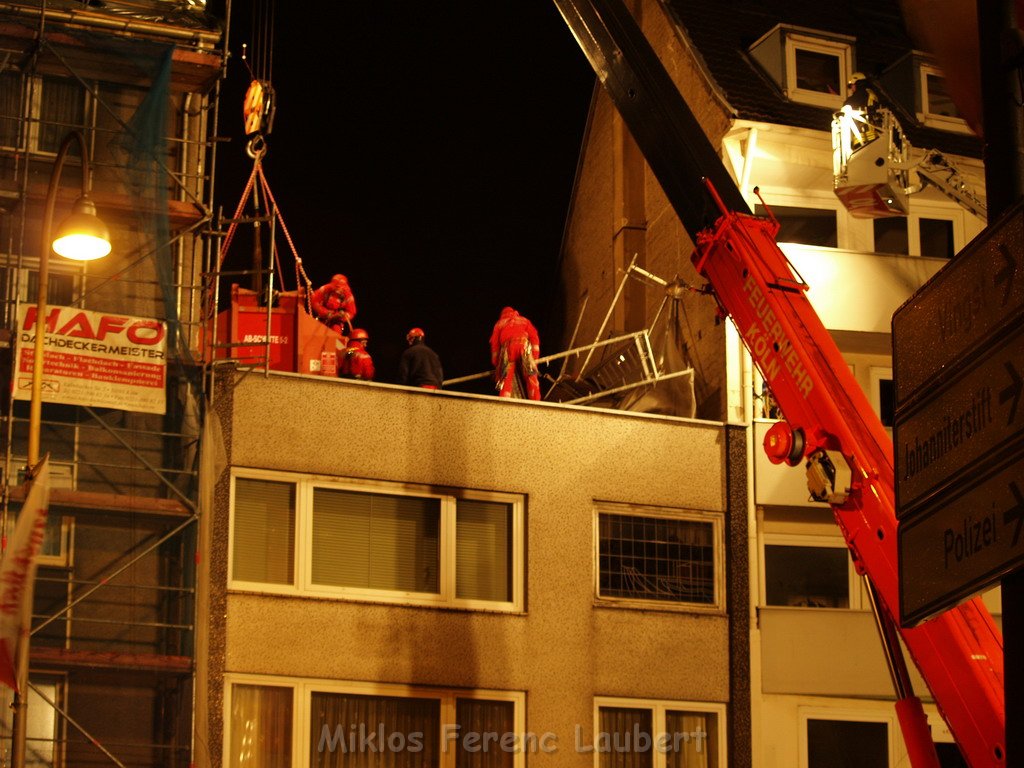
620 739
264 533
693 737
354 731
376 541
483 534
10 108
62 109
489 722
261 727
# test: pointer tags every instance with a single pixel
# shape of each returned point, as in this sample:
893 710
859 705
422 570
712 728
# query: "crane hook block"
782 443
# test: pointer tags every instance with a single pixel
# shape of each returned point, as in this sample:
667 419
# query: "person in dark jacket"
419 365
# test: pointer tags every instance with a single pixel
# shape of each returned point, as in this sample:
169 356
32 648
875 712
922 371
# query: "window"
10 108
817 70
283 722
649 555
801 575
916 235
936 237
56 548
847 744
61 288
938 100
882 395
891 235
45 729
631 733
52 105
809 226
810 570
379 541
937 107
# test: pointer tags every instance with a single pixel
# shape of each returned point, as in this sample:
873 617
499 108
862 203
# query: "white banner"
96 359
18 572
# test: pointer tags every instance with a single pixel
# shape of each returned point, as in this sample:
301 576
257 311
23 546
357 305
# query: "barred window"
661 556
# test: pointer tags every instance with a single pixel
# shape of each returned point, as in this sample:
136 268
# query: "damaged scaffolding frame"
628 374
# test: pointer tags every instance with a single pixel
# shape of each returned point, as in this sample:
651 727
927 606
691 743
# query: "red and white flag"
18 572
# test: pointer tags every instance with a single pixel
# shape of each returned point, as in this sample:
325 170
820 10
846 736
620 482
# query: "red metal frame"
959 652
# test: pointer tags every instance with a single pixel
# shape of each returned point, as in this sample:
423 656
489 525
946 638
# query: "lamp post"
82 237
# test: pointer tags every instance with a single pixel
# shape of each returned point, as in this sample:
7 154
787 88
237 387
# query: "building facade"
485 581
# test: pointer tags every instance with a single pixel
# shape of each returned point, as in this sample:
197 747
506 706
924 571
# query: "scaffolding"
627 373
113 636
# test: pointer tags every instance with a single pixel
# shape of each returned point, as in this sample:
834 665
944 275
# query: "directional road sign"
958 433
953 551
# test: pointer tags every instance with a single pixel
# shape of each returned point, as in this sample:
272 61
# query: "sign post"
958 435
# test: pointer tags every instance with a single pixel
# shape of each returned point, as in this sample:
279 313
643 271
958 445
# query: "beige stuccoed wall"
563 650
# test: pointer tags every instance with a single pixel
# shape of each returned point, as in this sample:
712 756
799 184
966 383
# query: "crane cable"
258 114
301 278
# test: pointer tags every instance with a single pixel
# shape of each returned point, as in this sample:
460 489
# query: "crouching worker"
356 362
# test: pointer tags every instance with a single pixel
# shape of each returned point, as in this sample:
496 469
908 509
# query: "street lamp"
82 236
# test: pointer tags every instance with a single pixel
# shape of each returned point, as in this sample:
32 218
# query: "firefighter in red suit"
334 305
515 348
356 362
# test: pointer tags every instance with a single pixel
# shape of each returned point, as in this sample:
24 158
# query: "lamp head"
82 236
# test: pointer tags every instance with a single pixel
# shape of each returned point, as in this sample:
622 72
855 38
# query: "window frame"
61 476
845 715
926 116
857 599
844 59
302 698
717 520
302 566
876 375
31 100
658 708
919 211
55 685
16 293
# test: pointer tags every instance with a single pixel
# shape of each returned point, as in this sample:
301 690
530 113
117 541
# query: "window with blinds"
378 541
483 551
263 548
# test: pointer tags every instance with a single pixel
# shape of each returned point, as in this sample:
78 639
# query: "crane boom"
829 422
832 426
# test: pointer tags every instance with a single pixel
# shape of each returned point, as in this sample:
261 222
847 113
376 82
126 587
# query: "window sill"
235 591
651 607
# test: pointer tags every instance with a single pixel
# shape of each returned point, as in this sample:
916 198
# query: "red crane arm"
831 423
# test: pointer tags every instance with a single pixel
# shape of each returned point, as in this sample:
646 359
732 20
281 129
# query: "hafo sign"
94 358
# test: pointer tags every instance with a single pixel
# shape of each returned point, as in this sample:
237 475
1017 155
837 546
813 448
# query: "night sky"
425 150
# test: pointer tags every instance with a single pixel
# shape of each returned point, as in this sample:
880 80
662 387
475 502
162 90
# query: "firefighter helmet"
414 333
855 78
358 334
339 279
